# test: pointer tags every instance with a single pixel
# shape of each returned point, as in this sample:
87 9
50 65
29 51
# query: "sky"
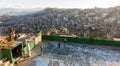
28 4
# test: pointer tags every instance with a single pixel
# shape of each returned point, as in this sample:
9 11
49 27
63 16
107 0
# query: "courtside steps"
5 62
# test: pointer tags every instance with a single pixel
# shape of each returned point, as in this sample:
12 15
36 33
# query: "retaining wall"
83 40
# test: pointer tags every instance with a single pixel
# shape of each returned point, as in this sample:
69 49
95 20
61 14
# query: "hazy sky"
58 3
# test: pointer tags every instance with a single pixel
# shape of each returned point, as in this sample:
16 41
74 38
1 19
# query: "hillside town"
88 23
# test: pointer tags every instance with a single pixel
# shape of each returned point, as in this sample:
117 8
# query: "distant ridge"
17 12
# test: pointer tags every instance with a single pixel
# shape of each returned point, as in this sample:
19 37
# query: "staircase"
5 62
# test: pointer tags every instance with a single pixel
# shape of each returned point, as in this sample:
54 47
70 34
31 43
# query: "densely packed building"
89 23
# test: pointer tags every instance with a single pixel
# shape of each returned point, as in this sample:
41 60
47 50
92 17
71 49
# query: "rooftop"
72 54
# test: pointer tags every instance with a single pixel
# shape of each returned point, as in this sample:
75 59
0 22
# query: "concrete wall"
1 54
25 49
38 38
8 54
